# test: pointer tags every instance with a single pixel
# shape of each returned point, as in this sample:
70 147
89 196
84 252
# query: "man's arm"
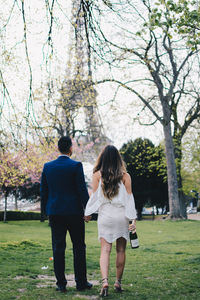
43 194
81 185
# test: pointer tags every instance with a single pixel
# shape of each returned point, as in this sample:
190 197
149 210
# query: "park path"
194 216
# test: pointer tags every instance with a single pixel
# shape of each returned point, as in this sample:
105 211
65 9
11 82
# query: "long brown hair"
112 168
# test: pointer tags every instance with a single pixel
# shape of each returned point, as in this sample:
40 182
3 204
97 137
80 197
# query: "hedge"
14 215
20 215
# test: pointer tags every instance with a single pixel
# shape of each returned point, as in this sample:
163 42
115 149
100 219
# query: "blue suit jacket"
63 188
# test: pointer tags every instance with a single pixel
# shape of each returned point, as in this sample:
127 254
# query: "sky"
118 116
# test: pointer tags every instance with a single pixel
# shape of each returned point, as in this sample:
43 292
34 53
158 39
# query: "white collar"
64 155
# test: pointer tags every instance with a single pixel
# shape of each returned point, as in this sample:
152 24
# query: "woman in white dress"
113 200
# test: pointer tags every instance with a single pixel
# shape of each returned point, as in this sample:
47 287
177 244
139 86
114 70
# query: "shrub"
20 215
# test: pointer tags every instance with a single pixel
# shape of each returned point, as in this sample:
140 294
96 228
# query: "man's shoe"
61 289
87 285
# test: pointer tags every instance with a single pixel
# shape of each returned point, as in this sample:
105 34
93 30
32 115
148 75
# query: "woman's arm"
95 181
127 182
128 185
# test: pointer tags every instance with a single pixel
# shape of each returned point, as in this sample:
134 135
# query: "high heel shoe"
104 289
118 286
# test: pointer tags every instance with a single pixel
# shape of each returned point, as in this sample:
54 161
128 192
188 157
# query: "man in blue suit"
63 198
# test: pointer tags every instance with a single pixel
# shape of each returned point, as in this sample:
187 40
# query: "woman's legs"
105 257
120 257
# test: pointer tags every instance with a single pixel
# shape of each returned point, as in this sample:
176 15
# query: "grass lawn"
166 266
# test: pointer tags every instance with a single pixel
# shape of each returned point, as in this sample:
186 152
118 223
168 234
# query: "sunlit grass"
166 266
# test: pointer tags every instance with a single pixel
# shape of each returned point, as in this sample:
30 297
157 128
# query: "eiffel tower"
78 93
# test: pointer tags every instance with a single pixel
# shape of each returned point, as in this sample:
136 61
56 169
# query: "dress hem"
114 239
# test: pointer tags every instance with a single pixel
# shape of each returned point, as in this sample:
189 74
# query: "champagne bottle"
134 239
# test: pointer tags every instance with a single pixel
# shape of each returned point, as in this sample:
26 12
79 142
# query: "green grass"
166 266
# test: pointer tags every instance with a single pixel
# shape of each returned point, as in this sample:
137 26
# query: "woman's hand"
132 226
87 218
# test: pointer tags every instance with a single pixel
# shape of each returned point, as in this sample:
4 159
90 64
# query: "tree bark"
178 157
174 204
139 214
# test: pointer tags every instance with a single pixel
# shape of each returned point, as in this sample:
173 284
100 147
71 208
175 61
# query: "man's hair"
64 144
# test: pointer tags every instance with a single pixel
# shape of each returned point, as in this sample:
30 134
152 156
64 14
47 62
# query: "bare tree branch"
124 85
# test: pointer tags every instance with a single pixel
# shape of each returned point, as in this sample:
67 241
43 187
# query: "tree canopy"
147 167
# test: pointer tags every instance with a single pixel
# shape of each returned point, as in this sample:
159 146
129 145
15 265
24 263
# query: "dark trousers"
76 227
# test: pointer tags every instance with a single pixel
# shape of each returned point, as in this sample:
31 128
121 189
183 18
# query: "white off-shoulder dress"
113 215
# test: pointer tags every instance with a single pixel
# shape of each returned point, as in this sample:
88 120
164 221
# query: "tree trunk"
139 214
178 157
5 208
16 203
183 204
174 204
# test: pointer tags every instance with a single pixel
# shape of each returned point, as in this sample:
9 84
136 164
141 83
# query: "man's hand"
87 218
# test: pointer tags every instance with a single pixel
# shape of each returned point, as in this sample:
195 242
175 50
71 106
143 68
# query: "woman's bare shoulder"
97 175
127 183
126 177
